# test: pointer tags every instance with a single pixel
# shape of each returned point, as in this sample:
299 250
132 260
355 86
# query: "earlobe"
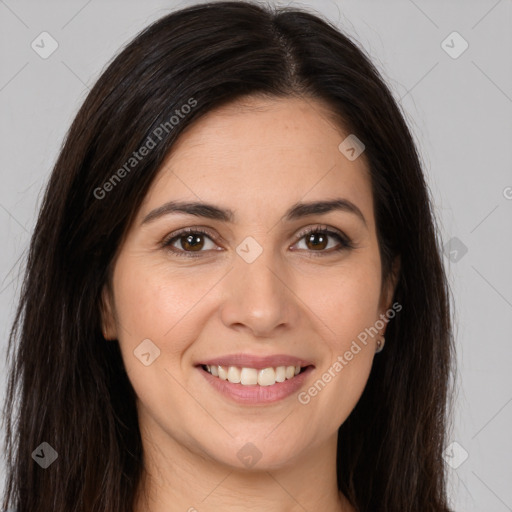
107 318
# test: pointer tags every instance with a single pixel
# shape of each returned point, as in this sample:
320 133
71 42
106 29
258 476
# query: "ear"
389 287
108 324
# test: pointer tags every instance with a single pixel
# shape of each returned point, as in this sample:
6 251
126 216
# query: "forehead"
260 152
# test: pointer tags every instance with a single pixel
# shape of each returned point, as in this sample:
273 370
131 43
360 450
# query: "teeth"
234 374
267 377
248 376
252 376
223 373
280 373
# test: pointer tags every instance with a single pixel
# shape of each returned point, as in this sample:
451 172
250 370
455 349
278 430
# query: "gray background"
459 110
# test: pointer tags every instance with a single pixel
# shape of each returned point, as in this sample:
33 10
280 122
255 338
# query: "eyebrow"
210 211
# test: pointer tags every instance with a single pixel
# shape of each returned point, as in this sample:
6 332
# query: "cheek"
154 302
348 308
346 301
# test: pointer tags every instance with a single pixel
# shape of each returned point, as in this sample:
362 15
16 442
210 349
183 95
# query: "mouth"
256 380
247 376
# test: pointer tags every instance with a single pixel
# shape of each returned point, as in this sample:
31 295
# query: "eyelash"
345 242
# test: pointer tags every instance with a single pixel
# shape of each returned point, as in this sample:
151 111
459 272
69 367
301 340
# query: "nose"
259 298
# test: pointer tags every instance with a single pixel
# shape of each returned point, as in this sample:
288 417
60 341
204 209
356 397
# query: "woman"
236 225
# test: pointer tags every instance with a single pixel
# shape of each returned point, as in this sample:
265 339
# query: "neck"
178 478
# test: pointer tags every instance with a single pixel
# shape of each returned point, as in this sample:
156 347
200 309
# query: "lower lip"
257 394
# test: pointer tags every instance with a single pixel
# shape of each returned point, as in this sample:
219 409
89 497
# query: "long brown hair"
68 387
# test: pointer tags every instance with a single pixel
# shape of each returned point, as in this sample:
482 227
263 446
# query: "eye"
191 241
317 240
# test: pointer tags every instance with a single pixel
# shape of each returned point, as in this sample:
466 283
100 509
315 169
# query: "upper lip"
257 362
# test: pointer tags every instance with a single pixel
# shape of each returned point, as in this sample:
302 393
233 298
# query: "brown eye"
317 241
189 241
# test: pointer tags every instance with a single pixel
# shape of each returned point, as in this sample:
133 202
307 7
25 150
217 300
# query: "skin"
256 157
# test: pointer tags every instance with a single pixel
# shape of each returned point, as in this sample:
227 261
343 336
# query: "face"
248 289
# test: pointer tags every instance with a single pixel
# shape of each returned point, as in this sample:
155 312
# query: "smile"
255 379
253 376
